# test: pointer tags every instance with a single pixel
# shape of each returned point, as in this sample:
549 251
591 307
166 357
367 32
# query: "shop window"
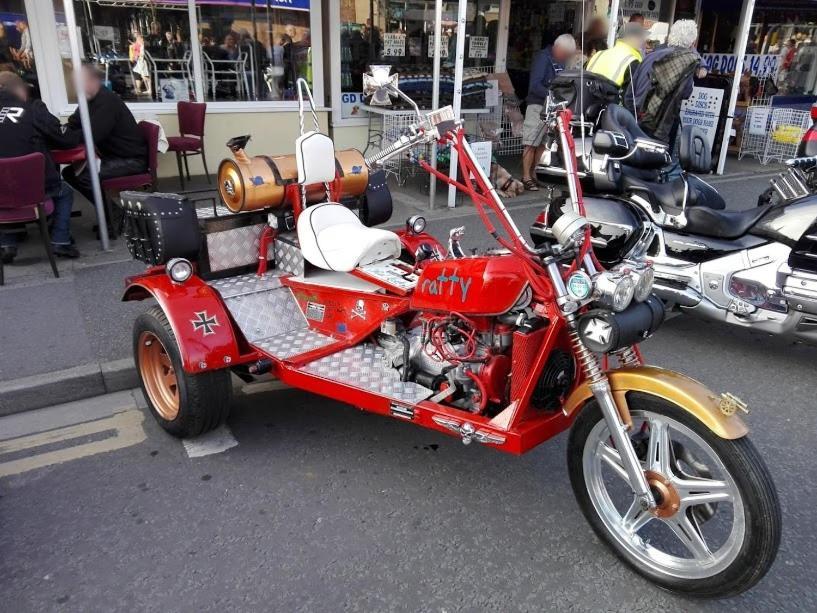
144 50
254 50
401 33
16 50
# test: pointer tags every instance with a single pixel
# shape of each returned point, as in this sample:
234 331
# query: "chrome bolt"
227 359
202 365
713 285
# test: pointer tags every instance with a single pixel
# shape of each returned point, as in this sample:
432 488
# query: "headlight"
416 224
179 270
615 289
644 277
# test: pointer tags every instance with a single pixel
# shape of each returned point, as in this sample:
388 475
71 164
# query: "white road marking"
216 441
126 426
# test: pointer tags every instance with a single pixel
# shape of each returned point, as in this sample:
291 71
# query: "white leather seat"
333 238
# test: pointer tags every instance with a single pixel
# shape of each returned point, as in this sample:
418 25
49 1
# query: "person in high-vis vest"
619 62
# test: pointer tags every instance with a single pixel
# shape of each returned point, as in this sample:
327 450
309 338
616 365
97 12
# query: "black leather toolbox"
160 227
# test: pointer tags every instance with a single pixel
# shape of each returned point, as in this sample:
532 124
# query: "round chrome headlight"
416 224
179 270
645 276
615 289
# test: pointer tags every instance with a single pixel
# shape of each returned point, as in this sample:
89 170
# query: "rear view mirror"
610 143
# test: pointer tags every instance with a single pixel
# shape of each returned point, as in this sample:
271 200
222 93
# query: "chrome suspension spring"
587 359
628 357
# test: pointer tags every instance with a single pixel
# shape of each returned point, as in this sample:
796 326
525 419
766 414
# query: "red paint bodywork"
224 347
494 284
486 285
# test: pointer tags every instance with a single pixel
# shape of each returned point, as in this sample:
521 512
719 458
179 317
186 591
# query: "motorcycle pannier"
160 227
590 92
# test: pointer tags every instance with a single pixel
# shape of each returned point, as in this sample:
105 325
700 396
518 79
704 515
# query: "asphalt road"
320 507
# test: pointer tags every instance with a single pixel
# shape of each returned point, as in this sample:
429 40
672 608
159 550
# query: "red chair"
22 199
191 142
142 181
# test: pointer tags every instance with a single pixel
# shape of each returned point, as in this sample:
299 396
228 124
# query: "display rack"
786 129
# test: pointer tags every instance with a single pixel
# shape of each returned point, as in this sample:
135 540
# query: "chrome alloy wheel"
698 526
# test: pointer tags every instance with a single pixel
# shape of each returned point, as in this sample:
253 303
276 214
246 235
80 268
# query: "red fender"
200 321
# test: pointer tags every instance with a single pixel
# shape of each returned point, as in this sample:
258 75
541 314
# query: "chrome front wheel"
716 526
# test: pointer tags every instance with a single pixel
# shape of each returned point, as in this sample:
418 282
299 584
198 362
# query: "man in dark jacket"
117 138
27 127
547 63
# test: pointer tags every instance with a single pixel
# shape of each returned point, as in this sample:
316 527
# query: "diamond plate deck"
247 284
294 342
267 313
364 366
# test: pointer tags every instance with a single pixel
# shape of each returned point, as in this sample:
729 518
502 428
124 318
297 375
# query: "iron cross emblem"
204 322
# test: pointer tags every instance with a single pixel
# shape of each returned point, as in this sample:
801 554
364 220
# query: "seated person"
119 143
30 128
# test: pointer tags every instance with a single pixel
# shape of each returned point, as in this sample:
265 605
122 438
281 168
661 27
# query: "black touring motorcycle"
755 268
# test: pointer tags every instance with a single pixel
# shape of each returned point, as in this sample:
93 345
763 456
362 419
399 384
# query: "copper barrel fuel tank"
252 183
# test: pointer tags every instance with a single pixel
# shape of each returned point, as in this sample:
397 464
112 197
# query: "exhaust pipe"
684 297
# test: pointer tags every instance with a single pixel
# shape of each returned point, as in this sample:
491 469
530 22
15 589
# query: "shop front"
242 57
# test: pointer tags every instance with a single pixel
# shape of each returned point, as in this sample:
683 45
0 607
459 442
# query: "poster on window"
350 103
173 90
703 109
394 44
443 44
478 47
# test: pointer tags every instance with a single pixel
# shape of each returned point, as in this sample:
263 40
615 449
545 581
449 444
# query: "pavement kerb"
70 384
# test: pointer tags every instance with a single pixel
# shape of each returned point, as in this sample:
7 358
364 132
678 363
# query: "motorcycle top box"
505 348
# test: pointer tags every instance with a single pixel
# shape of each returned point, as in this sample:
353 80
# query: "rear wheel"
716 528
185 405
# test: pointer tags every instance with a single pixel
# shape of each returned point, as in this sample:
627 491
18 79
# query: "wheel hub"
158 375
667 499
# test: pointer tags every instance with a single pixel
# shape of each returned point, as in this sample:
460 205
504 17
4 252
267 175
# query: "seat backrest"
695 153
150 132
315 158
191 118
23 181
616 118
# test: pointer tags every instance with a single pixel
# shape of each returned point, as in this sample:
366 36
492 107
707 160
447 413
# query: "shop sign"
757 65
394 44
443 44
174 90
651 9
105 33
478 47
482 154
759 120
350 103
703 109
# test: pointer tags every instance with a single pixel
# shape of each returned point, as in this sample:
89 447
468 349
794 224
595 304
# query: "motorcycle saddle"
333 238
669 197
722 224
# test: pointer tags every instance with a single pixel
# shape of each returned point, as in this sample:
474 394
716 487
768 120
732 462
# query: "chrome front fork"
600 386
621 438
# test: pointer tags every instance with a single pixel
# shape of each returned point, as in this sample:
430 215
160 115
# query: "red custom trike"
506 348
